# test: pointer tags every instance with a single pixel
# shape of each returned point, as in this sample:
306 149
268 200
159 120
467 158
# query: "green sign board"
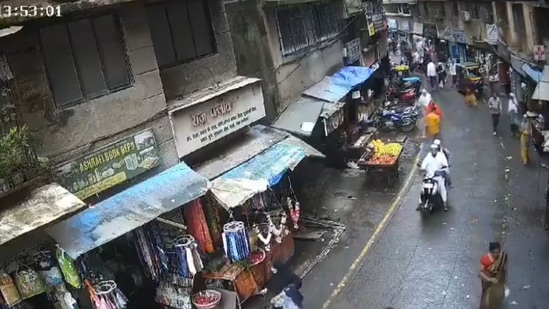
110 166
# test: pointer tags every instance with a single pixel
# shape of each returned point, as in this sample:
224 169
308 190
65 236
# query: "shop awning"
327 90
44 205
300 117
533 74
542 89
129 209
266 169
351 76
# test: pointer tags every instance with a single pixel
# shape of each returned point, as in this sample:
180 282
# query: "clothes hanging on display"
106 295
197 225
189 260
235 241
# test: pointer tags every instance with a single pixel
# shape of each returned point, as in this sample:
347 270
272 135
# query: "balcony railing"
19 165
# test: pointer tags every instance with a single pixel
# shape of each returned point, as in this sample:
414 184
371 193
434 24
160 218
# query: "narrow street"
433 262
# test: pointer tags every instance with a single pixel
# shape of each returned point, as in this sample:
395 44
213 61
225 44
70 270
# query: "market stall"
381 160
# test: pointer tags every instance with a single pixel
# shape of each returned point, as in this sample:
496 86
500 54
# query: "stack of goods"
385 154
236 242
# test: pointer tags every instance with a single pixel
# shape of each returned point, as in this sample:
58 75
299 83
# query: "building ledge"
398 14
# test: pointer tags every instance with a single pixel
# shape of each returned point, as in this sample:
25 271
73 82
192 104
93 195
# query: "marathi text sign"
201 124
110 166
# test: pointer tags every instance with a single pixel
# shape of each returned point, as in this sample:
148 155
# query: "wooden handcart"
380 171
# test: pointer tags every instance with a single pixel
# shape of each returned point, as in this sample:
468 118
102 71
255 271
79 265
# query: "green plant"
15 150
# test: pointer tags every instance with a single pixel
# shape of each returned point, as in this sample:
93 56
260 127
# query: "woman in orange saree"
493 275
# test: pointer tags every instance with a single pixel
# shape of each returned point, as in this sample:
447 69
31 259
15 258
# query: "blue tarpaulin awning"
351 76
128 210
533 74
264 170
334 88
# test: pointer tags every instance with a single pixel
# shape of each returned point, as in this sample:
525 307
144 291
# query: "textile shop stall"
539 111
120 253
259 213
331 114
26 276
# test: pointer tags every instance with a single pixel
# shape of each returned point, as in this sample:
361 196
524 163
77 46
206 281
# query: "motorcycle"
430 193
407 96
389 120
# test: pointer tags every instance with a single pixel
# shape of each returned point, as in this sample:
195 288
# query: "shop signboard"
404 26
393 25
205 122
377 21
492 34
110 165
459 36
430 30
353 50
418 28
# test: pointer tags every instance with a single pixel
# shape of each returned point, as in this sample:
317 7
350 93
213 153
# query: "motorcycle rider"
433 164
446 153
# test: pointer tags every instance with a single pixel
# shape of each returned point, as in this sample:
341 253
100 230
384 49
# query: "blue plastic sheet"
534 74
269 165
411 79
350 77
128 210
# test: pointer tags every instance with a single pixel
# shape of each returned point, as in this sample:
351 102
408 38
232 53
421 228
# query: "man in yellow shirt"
432 124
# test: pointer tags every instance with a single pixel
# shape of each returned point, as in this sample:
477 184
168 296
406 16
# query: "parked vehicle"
469 75
389 120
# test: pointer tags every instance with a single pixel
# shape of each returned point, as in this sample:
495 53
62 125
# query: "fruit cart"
381 159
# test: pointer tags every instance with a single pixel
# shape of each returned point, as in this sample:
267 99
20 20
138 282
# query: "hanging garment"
197 226
66 263
236 241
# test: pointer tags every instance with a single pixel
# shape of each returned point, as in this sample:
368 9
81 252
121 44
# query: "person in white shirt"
452 68
432 74
434 163
424 100
514 116
494 105
446 153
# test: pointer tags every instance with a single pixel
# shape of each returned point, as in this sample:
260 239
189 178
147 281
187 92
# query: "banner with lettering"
110 165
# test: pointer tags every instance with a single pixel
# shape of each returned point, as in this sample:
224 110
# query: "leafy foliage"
15 152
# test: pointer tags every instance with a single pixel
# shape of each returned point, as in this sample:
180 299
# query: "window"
404 9
485 12
181 31
305 25
85 58
518 18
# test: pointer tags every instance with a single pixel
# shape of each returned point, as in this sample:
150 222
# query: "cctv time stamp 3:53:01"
36 11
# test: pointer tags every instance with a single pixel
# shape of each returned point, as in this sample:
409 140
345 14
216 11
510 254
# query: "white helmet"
437 142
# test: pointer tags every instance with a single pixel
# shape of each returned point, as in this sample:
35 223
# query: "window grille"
305 25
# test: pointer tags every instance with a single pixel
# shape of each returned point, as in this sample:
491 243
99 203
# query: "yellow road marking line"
381 226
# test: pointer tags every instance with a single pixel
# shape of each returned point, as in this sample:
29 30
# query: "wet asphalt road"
433 262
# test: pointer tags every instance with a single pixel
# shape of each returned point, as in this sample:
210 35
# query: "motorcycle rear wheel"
408 127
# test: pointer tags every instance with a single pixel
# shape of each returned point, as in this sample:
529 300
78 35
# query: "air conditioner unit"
465 16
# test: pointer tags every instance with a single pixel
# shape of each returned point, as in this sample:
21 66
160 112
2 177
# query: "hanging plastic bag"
66 263
9 290
50 273
28 283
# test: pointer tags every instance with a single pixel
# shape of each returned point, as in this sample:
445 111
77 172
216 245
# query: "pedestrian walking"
525 138
514 116
452 68
493 276
441 71
494 104
432 74
432 124
433 107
